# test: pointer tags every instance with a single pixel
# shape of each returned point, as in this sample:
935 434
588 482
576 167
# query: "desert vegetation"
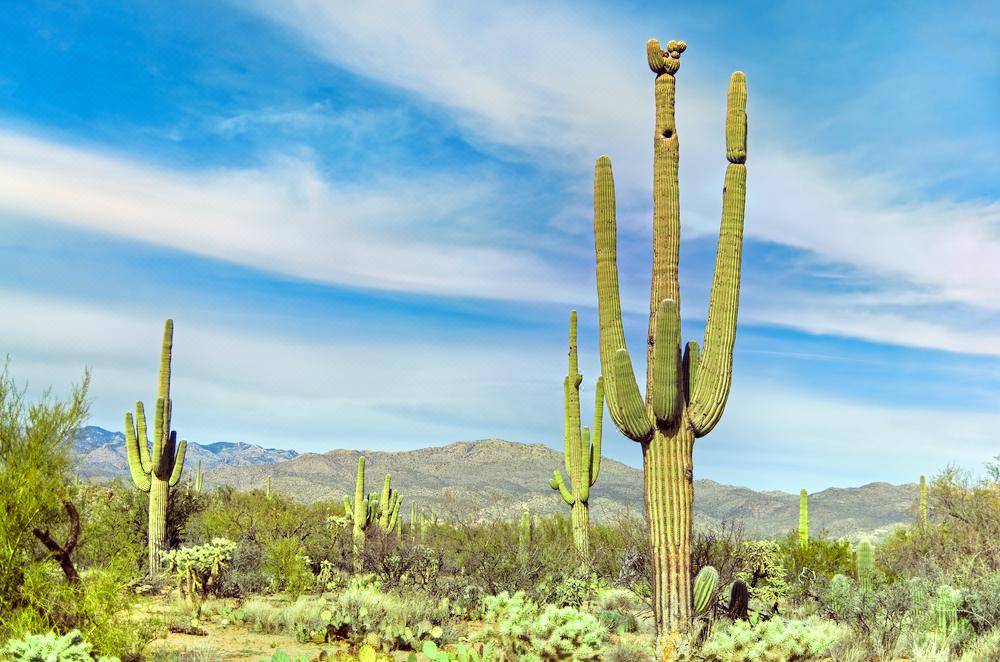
153 566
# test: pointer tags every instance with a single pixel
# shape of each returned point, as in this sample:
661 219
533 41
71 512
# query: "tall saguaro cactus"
156 473
803 519
581 450
684 396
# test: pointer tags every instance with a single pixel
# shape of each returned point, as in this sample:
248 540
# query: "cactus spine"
160 470
923 503
803 520
865 562
581 450
684 397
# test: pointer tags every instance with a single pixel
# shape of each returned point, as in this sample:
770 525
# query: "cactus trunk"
159 496
669 497
685 396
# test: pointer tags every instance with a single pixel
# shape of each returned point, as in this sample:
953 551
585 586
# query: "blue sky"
370 220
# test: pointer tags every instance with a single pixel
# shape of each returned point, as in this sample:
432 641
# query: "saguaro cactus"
524 539
156 473
198 479
364 511
803 520
684 397
923 503
581 450
865 564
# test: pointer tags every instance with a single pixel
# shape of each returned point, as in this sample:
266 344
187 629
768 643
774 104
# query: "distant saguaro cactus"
198 479
365 511
267 487
524 539
865 566
684 397
581 450
156 473
923 502
803 520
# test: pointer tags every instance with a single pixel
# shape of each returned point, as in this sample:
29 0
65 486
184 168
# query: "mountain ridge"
496 478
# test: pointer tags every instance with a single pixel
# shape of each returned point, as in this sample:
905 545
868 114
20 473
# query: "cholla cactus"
198 568
581 450
685 396
50 647
156 473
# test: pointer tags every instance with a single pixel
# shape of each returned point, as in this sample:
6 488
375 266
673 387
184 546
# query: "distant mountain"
496 478
102 455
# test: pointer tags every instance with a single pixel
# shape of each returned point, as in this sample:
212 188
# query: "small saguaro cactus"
803 520
581 450
865 564
267 488
739 601
923 503
685 396
198 479
156 472
704 589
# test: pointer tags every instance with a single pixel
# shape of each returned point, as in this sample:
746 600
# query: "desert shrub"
760 566
50 647
385 620
807 568
773 640
570 591
287 567
877 621
630 650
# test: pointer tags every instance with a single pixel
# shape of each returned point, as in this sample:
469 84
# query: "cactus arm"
175 476
666 359
165 355
621 390
141 429
385 502
715 370
139 471
628 409
557 484
595 435
692 359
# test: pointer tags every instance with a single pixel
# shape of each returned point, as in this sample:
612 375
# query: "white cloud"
396 233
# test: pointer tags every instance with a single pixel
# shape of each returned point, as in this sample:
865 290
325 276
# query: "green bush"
771 641
287 567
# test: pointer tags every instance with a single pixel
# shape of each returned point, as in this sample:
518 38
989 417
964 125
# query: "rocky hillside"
495 478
